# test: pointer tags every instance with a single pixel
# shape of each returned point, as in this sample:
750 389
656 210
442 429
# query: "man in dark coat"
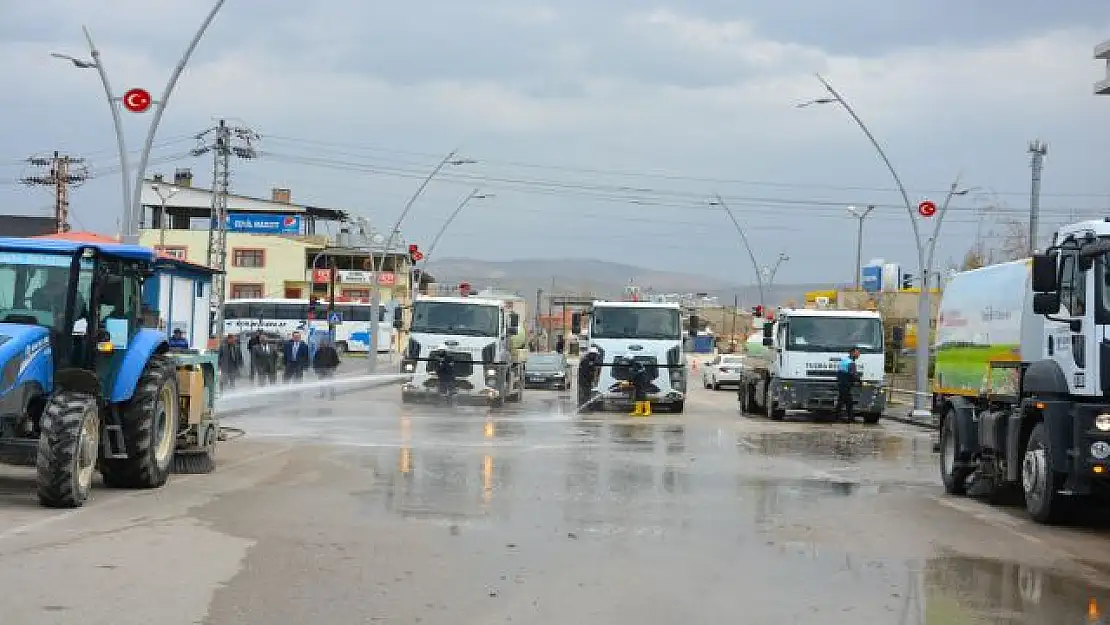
587 373
639 381
297 359
325 362
231 361
264 359
847 377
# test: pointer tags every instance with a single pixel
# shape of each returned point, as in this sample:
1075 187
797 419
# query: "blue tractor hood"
15 338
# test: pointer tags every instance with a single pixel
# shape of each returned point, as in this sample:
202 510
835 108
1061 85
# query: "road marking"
27 528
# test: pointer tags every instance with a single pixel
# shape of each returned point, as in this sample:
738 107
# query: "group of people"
263 355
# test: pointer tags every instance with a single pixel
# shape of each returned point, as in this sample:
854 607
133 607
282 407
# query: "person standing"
847 377
587 373
325 361
264 357
640 382
178 340
296 358
254 341
231 361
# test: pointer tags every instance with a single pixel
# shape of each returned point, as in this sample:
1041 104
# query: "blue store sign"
263 224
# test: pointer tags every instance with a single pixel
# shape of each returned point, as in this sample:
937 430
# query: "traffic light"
907 281
415 255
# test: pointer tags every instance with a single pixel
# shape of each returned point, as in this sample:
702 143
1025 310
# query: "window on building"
241 257
357 294
245 291
176 251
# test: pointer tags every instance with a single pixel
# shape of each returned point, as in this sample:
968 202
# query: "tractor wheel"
150 423
68 449
202 460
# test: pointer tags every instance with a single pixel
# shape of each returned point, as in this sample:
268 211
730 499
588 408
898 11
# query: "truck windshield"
636 323
834 334
33 289
456 318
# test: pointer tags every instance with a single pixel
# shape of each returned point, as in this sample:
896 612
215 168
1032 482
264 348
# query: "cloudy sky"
603 128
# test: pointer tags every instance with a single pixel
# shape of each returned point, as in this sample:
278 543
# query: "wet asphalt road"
359 510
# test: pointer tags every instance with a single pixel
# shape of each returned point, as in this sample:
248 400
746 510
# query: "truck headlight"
491 373
1100 450
1102 422
408 367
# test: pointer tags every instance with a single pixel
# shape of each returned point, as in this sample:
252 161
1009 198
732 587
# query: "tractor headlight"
1102 422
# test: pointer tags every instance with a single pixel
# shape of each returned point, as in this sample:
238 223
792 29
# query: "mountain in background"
602 279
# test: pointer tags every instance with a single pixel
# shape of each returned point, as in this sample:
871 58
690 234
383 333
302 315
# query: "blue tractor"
88 381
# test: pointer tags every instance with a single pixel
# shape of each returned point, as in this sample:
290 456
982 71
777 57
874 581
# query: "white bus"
284 316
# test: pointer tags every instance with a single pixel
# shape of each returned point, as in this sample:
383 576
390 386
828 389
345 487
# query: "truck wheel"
1039 480
871 418
68 449
955 480
150 423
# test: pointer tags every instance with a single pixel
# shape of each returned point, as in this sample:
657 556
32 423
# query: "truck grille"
622 369
464 362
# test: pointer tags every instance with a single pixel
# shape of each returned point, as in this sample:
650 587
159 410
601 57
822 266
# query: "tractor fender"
75 379
143 345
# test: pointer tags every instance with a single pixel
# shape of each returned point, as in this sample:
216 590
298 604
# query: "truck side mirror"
1046 303
514 323
576 323
694 323
398 318
897 337
1044 274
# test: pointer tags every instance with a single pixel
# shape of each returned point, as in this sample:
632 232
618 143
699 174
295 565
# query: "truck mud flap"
967 430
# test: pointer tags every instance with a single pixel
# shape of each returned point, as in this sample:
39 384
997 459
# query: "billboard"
255 223
872 278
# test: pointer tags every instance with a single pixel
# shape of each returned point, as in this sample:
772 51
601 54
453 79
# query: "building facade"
275 248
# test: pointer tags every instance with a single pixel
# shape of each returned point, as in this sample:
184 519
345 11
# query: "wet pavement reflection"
686 496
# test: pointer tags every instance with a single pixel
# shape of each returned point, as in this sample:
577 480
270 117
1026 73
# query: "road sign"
335 317
136 100
927 208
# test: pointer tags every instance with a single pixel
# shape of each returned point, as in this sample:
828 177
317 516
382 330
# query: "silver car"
723 370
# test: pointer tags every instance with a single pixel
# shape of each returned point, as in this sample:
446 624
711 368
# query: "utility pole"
1038 149
223 142
62 172
537 327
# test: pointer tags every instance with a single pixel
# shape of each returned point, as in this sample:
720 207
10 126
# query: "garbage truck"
798 370
88 382
477 334
648 332
1022 387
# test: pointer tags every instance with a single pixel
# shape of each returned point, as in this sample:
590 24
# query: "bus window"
262 311
235 311
356 313
291 311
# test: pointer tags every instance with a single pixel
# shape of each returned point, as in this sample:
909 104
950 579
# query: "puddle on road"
970 590
838 443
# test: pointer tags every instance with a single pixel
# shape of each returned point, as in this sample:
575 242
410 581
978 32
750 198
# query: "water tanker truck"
88 382
1022 387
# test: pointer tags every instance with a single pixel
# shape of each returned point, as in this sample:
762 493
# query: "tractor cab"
82 300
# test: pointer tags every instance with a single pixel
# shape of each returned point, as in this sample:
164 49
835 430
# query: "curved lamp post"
718 201
925 247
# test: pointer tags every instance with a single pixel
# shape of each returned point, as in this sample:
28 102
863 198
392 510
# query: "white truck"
477 333
649 332
1022 389
798 371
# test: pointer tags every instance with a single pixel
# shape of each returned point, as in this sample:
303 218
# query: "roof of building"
196 202
70 242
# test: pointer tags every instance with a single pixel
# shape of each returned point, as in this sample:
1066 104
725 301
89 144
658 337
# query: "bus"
284 316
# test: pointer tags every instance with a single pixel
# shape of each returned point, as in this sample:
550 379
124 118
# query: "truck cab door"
1073 346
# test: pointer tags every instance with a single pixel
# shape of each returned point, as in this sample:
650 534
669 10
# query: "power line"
62 172
654 175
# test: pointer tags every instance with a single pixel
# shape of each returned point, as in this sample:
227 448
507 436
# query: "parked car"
723 370
547 370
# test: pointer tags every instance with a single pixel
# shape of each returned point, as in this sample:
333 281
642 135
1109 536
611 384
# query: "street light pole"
924 254
375 298
474 195
771 271
860 216
162 215
131 223
117 123
719 201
